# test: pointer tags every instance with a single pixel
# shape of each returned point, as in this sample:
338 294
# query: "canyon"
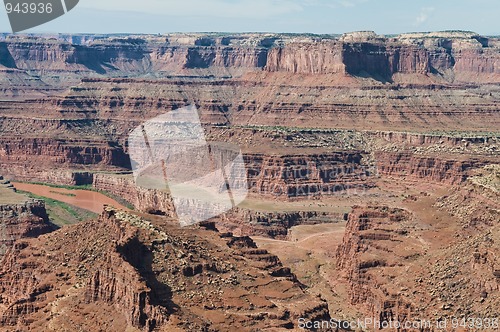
372 168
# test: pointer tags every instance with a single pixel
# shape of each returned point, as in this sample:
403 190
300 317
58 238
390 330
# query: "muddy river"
85 199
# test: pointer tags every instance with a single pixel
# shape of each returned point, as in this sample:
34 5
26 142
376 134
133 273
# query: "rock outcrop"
20 217
395 273
476 203
369 232
149 276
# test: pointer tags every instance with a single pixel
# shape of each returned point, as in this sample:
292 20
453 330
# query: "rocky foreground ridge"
20 217
124 273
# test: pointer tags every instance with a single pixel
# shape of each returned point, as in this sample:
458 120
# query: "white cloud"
213 8
343 3
424 15
217 8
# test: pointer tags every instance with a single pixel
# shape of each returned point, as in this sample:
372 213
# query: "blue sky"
314 16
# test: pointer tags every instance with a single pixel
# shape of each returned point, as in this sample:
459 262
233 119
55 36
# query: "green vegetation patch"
88 187
62 214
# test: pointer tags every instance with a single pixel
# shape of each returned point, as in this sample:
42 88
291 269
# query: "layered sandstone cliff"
296 176
431 168
461 56
465 57
272 224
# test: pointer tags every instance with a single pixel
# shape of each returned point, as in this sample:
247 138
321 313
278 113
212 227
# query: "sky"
294 16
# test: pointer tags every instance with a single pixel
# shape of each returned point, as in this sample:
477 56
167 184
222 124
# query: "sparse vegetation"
68 187
61 213
64 194
88 187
